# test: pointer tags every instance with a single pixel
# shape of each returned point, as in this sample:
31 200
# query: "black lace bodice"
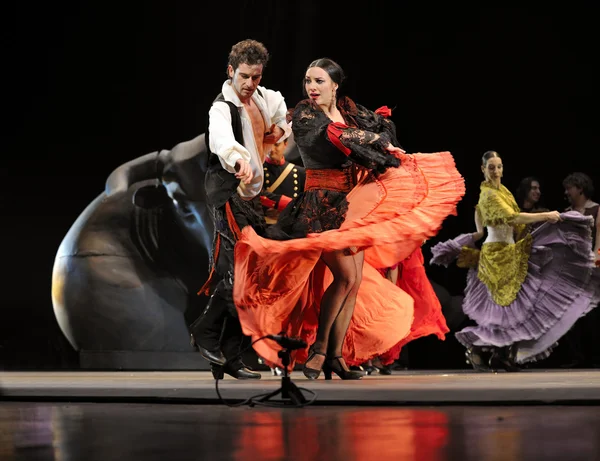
365 137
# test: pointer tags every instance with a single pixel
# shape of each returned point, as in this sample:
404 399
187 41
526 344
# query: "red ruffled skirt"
278 284
428 317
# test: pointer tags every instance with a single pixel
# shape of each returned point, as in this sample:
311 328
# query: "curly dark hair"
248 52
581 181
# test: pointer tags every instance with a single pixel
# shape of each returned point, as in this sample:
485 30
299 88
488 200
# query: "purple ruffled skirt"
561 286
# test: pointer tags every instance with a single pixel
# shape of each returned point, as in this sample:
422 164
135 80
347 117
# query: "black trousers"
218 326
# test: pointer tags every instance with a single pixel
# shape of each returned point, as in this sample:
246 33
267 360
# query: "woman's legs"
337 304
342 321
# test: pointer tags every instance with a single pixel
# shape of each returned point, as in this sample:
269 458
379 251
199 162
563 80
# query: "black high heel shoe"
312 373
504 359
385 370
475 358
368 368
336 365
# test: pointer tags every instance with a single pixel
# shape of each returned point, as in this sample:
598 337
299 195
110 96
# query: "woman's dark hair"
582 181
333 69
523 190
488 155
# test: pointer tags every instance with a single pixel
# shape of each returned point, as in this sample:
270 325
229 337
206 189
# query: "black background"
90 86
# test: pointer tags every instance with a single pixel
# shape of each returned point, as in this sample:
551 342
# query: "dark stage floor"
417 416
403 387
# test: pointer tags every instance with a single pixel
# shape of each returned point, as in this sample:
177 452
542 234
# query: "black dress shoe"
236 370
212 355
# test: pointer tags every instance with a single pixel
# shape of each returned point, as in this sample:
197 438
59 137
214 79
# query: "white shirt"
222 140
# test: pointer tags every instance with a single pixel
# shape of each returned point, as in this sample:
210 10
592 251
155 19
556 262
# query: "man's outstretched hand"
243 171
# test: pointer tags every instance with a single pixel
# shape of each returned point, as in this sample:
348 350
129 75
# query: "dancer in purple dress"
524 290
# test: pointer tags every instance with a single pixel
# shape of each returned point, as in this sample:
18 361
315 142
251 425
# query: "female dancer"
366 205
524 290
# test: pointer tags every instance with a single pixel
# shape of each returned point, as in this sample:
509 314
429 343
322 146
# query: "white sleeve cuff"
229 158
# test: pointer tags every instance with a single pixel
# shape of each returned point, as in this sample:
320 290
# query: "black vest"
219 183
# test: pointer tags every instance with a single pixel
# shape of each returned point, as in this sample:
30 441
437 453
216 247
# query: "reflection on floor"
135 431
